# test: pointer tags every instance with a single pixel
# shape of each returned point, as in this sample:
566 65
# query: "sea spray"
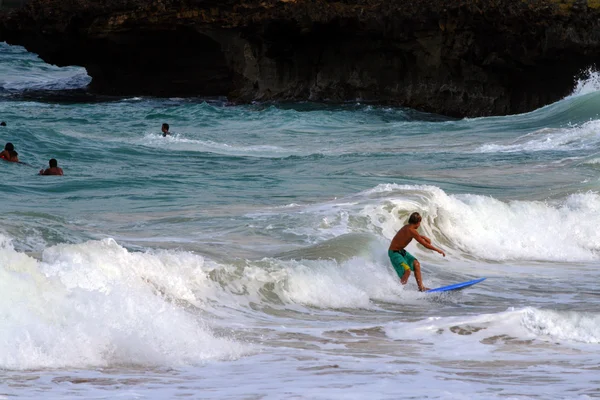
85 308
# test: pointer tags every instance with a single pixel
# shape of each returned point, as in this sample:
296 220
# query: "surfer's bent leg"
418 278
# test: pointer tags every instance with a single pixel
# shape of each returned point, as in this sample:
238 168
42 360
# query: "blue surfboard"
456 286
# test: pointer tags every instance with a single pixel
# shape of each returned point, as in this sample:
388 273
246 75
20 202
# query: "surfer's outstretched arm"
426 242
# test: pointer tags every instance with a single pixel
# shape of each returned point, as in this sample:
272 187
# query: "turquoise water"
252 244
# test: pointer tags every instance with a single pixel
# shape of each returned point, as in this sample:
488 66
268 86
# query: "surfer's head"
9 147
414 219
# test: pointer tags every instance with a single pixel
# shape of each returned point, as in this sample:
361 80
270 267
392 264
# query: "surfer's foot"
423 289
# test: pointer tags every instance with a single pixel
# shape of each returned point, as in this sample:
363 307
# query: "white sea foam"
327 284
592 161
98 304
94 304
30 72
179 141
524 230
472 334
588 84
467 226
491 229
301 283
580 137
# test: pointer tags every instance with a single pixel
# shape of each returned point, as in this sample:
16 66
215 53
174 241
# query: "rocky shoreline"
452 57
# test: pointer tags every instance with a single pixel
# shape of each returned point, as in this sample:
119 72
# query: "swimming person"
9 153
3 123
404 262
53 170
165 130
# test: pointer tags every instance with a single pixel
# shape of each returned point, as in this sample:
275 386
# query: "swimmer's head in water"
53 163
9 146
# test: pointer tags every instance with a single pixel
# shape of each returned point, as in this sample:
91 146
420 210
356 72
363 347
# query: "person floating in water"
165 130
9 153
402 260
53 170
2 123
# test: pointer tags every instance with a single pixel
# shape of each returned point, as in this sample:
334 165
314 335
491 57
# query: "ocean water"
245 257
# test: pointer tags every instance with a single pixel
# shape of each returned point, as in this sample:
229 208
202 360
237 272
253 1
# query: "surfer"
53 170
165 130
402 260
9 153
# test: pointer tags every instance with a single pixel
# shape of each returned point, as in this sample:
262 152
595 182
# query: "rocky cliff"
454 57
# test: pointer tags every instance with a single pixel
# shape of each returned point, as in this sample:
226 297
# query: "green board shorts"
401 261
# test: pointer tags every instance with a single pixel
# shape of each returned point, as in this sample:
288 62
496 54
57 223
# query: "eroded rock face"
454 57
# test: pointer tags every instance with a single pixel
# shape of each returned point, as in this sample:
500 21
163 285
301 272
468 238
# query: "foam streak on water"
245 256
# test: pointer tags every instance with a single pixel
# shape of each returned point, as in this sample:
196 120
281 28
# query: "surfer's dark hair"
53 163
414 218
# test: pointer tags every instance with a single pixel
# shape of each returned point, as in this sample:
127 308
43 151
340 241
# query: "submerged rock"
453 57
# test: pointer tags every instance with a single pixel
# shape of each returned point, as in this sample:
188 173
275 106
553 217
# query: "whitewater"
245 256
